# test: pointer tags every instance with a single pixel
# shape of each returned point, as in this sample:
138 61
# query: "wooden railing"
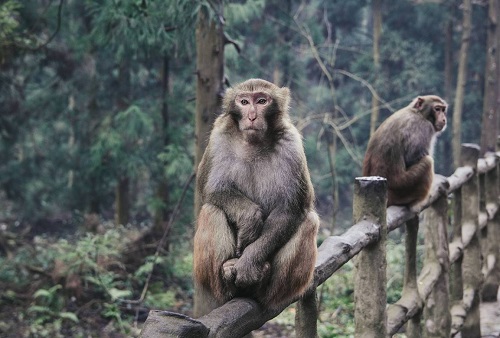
445 294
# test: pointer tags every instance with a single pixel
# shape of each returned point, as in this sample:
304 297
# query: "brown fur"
401 150
256 232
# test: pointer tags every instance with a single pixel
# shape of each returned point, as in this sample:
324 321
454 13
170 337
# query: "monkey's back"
397 144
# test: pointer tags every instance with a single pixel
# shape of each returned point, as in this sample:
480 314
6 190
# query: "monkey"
401 150
256 230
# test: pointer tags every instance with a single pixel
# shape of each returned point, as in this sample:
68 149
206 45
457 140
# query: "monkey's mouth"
440 127
252 129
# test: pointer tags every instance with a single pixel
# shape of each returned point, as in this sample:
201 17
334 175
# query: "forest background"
103 117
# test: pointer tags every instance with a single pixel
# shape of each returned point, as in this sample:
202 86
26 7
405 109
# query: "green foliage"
160 299
96 258
238 13
94 261
8 22
179 267
130 26
395 270
121 143
49 307
176 162
337 313
112 311
47 315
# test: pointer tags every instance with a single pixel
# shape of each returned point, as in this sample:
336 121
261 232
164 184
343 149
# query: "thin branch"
305 33
346 143
366 84
162 241
310 118
229 41
59 12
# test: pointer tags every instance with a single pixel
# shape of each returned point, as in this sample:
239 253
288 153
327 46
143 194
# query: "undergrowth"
81 287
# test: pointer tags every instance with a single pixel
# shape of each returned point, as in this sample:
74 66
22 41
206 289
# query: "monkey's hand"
228 270
250 272
249 224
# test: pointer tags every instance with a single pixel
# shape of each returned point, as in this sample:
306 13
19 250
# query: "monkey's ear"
228 97
284 98
418 103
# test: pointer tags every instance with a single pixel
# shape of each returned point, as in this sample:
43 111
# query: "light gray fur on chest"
265 179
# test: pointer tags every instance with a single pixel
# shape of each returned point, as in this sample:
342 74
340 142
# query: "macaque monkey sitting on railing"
256 231
401 150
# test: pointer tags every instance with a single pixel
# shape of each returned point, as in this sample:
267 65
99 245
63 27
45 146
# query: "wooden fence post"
436 312
410 288
370 295
471 264
456 280
490 288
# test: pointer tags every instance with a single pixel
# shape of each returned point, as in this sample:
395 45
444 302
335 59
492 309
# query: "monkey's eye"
262 101
244 102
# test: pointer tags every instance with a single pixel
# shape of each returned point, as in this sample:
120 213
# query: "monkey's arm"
235 205
278 228
241 212
413 175
221 192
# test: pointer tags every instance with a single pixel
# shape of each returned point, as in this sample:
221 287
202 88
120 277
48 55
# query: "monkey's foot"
417 207
228 270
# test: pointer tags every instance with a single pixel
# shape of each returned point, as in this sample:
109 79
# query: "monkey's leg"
293 266
214 244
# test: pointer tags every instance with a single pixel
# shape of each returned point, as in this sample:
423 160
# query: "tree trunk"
377 30
472 261
461 82
490 104
332 154
370 293
448 57
437 317
210 78
122 193
209 88
162 192
122 201
287 37
444 146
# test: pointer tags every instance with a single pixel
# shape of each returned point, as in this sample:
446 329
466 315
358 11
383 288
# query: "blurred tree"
444 145
121 144
209 75
491 104
209 89
180 16
377 31
461 81
144 31
448 51
8 26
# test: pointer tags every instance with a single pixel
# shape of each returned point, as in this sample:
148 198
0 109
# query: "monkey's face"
250 114
432 108
439 116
